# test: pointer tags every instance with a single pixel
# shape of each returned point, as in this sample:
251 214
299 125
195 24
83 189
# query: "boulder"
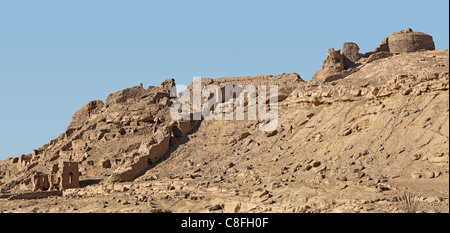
351 54
106 163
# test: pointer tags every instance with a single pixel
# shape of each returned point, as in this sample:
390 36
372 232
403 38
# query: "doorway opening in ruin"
44 185
70 177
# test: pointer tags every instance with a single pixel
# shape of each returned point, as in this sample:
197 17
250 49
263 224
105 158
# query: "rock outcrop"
351 55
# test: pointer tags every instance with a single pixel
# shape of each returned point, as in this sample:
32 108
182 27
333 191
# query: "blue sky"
56 56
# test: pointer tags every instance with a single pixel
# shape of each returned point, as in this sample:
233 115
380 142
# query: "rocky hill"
367 129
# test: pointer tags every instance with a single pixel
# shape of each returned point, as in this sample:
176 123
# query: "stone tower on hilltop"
339 65
406 42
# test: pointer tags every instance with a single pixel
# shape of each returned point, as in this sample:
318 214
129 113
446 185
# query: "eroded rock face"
83 115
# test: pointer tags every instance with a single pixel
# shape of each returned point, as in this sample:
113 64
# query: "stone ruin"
339 65
406 42
43 182
64 175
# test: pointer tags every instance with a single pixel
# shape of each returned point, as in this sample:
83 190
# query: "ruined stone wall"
158 151
130 170
151 152
40 182
35 195
70 175
408 41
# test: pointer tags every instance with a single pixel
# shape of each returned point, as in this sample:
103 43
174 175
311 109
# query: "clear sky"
56 56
